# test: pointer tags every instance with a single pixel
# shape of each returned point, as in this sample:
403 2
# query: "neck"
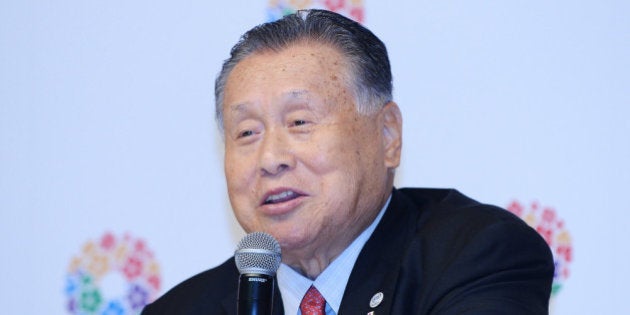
311 263
311 259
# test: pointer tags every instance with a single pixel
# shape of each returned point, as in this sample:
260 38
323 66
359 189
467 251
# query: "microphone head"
258 253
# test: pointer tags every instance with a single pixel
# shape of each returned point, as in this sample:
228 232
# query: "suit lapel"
377 267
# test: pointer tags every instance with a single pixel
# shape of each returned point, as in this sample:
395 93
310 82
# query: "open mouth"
281 197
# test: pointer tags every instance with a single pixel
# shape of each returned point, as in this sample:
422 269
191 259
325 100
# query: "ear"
392 134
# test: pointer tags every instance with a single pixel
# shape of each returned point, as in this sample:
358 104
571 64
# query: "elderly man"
312 141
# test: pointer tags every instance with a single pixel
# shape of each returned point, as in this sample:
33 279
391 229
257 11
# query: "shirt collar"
331 283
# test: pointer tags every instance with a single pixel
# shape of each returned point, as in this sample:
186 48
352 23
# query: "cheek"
335 163
229 170
235 174
326 155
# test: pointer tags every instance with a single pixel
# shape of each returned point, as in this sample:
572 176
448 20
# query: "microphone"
257 258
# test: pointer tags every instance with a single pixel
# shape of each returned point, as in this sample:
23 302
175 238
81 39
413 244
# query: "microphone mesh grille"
258 252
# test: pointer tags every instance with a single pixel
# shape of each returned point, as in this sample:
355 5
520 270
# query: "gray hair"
371 77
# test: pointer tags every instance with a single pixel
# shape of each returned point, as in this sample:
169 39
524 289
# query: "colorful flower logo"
546 222
350 8
125 257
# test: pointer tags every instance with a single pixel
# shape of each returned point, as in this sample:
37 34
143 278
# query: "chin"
292 239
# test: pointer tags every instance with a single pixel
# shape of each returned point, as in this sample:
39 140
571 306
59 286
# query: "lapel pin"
376 300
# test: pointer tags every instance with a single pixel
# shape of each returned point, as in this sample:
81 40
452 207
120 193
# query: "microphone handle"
255 294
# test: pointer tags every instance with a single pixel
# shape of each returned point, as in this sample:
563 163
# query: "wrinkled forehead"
304 63
327 56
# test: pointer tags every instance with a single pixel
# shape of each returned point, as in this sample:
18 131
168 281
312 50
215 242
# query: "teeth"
280 196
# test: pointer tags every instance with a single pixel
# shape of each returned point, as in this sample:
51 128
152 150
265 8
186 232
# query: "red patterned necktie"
313 303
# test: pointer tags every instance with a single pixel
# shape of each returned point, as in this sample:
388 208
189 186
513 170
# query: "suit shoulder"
465 252
445 216
440 205
195 293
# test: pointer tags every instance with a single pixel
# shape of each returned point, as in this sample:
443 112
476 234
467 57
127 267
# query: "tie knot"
313 303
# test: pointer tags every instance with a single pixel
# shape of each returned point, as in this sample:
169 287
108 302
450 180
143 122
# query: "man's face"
301 163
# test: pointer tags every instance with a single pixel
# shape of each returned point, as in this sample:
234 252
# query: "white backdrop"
106 126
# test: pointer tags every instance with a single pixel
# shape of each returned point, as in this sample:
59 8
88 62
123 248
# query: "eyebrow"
239 107
297 94
297 99
300 95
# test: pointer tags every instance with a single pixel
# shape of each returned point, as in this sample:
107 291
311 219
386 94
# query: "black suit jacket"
435 251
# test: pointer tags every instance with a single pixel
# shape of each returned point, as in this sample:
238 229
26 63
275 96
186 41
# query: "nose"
276 155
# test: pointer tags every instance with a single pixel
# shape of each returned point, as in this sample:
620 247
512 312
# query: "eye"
245 133
299 122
